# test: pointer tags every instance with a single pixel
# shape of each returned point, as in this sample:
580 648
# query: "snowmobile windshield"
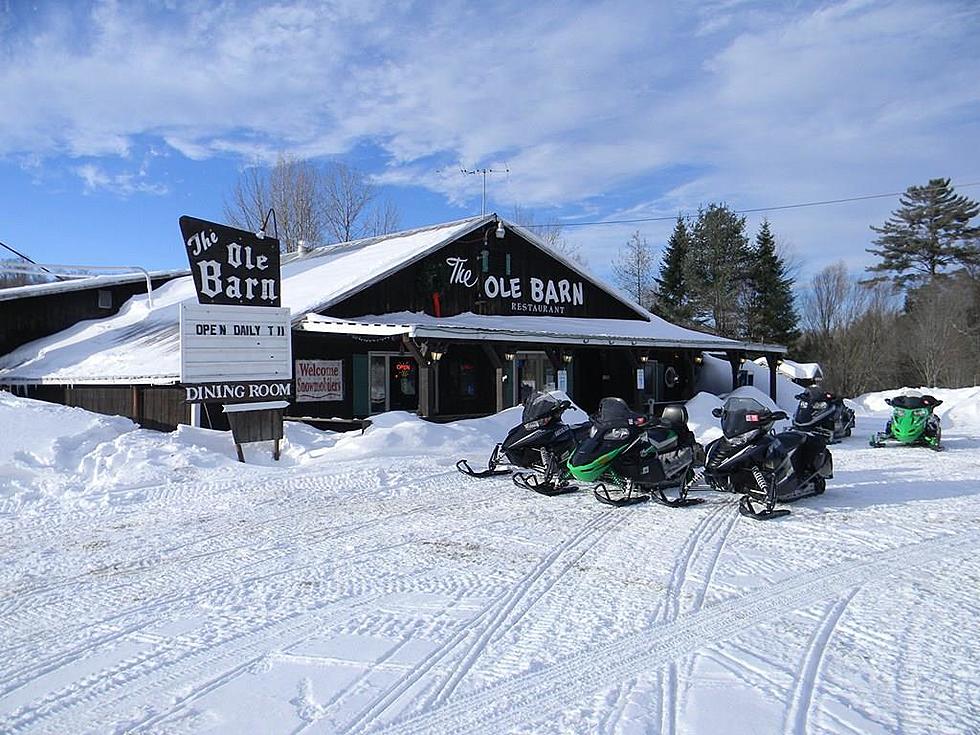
540 405
741 415
615 412
913 403
814 402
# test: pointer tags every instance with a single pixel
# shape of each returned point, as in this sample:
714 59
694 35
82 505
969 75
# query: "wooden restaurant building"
458 319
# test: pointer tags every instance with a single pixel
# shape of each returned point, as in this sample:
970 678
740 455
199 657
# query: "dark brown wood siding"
508 277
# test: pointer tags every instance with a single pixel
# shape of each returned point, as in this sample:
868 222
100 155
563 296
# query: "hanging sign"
231 266
563 381
640 379
319 380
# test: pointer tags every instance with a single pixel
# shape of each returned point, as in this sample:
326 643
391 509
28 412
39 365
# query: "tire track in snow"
797 714
536 695
707 528
192 586
480 630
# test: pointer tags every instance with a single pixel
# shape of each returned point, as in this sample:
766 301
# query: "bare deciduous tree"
315 204
634 270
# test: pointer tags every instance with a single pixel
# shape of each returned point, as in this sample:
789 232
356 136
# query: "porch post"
772 362
426 378
498 373
735 360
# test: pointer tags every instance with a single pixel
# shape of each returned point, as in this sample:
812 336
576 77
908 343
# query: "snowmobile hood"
909 424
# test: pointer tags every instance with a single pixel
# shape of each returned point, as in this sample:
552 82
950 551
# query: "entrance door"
534 372
394 384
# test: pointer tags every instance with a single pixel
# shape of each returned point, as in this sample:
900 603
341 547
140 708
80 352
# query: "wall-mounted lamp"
644 357
509 356
436 355
499 232
779 362
698 359
566 357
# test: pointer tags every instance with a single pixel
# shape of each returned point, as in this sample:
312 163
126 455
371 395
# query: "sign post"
236 342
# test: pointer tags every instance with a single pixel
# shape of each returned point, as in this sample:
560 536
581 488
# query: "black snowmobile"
763 466
823 413
641 456
541 443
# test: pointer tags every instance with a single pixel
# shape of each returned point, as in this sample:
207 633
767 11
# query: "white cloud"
594 107
95 179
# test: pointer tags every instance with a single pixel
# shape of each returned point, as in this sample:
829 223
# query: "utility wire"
21 255
821 203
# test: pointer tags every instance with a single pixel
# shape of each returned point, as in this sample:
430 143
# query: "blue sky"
118 117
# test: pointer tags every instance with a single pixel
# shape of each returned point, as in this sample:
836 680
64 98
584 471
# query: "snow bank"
699 419
53 451
960 407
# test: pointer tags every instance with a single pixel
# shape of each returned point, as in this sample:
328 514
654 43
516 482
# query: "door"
534 372
394 382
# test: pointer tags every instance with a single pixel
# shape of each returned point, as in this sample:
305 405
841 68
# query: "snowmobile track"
531 697
797 714
478 632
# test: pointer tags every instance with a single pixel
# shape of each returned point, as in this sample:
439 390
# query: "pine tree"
930 232
673 302
633 270
717 271
771 312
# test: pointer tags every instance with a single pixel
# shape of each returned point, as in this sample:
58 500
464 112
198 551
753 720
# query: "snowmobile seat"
674 417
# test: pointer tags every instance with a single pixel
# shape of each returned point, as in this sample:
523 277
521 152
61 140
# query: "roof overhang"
449 331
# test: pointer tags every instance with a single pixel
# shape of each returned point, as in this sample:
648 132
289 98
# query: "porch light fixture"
509 356
566 357
644 357
499 232
436 355
698 359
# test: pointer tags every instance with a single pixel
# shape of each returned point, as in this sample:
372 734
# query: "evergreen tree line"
714 278
913 319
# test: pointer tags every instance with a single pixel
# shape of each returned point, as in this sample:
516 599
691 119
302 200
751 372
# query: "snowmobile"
541 443
823 413
912 423
642 456
764 467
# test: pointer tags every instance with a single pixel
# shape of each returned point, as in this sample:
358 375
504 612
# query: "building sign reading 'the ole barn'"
231 267
530 295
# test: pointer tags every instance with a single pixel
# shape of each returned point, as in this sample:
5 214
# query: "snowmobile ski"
530 481
491 470
621 499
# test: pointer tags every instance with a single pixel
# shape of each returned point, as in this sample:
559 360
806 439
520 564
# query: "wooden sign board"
231 266
235 354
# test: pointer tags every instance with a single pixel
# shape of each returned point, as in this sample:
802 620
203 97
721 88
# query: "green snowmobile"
913 422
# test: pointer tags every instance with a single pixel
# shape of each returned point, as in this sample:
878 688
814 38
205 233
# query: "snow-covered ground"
150 583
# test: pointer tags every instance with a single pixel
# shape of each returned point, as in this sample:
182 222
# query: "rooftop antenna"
484 171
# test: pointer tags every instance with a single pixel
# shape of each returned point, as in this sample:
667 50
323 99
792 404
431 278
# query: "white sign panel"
640 379
319 380
220 344
563 381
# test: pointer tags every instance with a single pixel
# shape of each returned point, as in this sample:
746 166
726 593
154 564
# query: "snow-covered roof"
797 370
83 283
536 329
140 344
